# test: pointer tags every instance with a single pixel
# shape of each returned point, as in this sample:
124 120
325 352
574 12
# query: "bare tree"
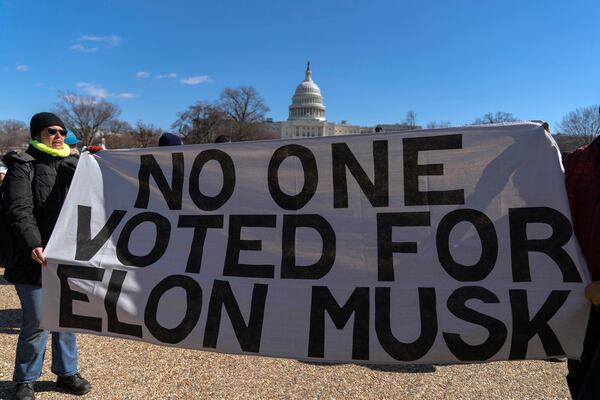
200 123
243 104
246 108
125 140
411 120
583 122
118 126
87 117
146 134
13 135
441 124
118 134
498 117
239 114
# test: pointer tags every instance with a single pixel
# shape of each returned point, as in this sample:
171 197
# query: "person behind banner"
223 139
169 139
71 140
582 178
34 191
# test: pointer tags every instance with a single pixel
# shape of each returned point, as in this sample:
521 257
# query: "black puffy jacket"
35 188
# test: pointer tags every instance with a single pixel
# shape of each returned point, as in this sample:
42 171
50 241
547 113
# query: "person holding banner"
35 188
169 139
582 175
223 139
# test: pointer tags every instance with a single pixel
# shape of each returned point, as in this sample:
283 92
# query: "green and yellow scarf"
64 152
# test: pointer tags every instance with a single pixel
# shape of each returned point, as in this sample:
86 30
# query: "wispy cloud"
126 95
85 43
22 68
144 75
44 85
83 49
192 80
110 41
164 76
195 80
91 89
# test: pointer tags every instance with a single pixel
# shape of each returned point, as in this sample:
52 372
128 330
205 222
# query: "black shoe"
74 384
25 391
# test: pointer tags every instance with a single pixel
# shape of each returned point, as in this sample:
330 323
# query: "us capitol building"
307 115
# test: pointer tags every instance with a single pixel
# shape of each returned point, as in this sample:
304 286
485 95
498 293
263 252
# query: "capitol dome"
307 102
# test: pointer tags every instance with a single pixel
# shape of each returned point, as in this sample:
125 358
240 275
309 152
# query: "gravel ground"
122 369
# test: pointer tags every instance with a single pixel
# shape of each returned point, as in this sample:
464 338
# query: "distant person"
3 170
34 190
169 139
4 163
223 139
72 141
582 178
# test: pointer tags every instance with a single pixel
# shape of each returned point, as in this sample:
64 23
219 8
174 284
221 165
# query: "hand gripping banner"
449 245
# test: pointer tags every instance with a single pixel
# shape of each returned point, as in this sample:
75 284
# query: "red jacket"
582 175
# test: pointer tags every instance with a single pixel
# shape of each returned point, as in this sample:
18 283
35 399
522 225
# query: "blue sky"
450 60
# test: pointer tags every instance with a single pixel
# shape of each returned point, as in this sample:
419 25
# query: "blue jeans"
31 346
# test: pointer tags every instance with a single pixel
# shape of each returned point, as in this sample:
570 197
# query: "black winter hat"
169 139
43 120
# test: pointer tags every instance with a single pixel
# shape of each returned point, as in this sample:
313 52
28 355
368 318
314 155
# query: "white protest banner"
451 245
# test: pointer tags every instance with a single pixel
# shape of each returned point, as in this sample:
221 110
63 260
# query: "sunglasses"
54 131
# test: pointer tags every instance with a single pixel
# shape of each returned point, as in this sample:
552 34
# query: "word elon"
524 327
